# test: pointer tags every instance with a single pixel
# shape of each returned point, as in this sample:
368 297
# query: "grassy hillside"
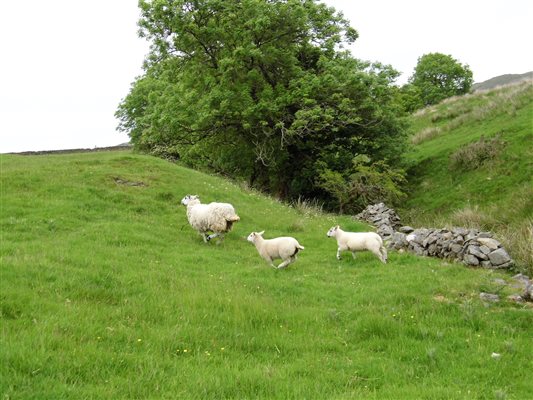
460 179
106 292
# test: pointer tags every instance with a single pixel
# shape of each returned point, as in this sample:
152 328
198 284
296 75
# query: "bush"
365 183
474 155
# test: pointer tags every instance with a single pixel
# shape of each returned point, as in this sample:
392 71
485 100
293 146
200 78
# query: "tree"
438 76
260 90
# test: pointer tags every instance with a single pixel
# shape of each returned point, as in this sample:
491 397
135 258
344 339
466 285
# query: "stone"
469 259
504 265
499 257
484 235
471 235
456 248
516 298
521 277
417 249
447 235
492 244
500 281
460 231
484 249
474 250
406 229
528 292
486 264
489 297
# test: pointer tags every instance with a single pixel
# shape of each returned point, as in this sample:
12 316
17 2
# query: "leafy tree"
260 90
438 76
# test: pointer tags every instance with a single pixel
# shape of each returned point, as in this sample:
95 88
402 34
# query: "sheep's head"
333 231
189 198
252 236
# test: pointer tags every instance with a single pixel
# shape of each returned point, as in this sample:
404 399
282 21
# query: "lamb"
213 217
285 248
353 241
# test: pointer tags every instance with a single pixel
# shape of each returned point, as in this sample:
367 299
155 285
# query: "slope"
106 292
471 165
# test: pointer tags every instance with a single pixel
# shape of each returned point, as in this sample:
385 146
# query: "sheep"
353 241
285 248
213 217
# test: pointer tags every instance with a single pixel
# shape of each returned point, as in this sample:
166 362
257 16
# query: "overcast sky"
65 65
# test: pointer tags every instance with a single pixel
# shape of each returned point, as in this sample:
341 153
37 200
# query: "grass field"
107 293
496 194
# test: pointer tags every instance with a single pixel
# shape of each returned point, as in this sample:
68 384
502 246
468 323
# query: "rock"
521 277
484 249
490 243
406 229
456 248
504 265
499 257
528 292
460 231
471 235
484 235
499 281
417 249
489 297
474 250
469 259
486 264
447 235
516 298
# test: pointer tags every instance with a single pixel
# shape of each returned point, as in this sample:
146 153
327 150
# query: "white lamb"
213 217
355 241
285 248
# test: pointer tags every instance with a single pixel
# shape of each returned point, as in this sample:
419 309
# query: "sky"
66 65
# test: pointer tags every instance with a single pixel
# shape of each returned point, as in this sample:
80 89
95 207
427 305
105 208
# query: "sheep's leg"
383 252
338 253
353 255
270 262
377 253
285 263
214 235
206 238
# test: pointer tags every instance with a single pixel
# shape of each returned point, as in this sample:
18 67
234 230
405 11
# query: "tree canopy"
261 90
438 76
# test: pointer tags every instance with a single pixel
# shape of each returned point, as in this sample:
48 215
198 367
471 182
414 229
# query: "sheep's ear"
260 233
337 226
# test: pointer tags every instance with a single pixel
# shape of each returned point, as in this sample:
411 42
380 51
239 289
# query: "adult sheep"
213 217
284 247
356 241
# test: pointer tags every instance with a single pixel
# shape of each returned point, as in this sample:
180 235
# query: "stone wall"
471 246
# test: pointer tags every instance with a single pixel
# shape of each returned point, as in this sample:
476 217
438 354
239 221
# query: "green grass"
107 293
497 195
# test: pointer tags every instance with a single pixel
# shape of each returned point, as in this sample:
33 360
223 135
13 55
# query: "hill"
471 164
502 80
106 292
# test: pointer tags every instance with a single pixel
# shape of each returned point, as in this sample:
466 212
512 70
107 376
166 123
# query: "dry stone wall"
471 246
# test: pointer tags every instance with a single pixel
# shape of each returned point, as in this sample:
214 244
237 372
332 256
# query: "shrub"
365 183
475 154
426 134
